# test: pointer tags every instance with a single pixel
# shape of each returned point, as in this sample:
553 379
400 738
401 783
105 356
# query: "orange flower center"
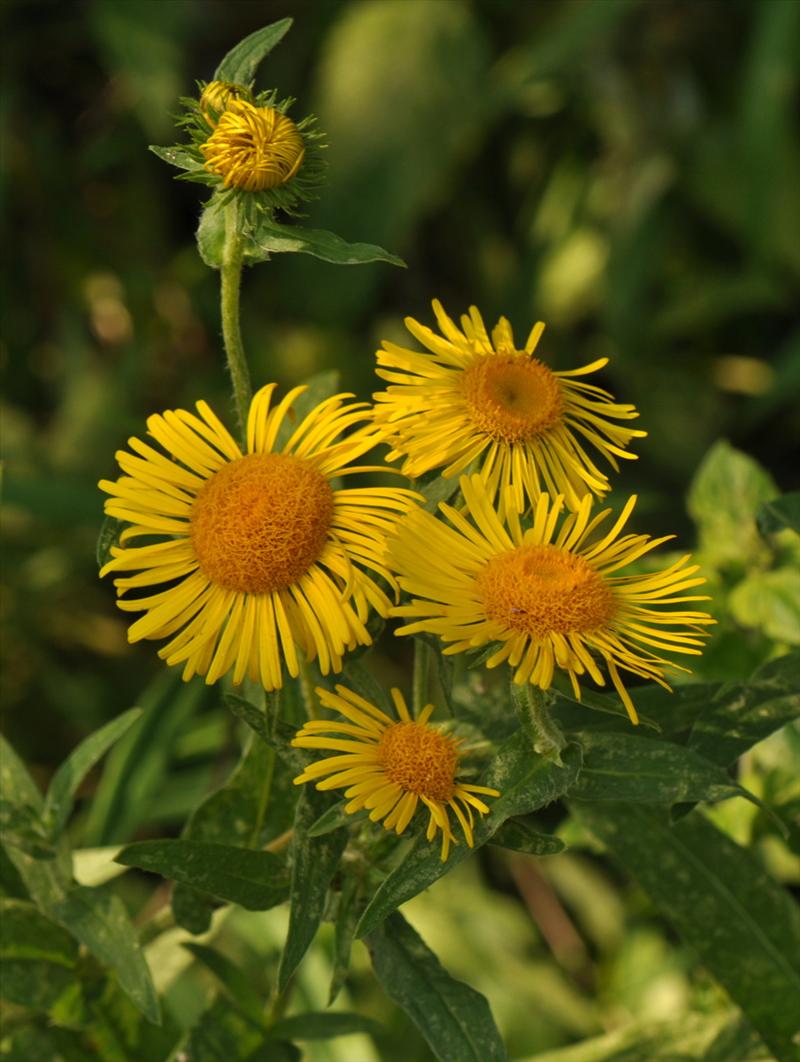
419 759
260 522
541 590
254 148
511 396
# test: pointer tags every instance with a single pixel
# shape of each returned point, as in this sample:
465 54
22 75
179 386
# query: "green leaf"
183 160
237 985
137 768
436 489
322 1025
347 914
769 601
628 767
110 530
272 238
520 836
526 782
98 919
254 880
67 779
739 715
242 61
38 957
331 819
777 515
315 860
211 232
275 733
744 927
16 785
21 827
454 1018
26 934
724 498
252 807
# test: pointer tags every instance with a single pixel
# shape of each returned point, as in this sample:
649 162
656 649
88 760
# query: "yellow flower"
471 396
216 97
259 553
551 598
253 148
390 766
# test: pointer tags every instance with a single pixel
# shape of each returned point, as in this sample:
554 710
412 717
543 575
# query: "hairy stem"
230 278
533 710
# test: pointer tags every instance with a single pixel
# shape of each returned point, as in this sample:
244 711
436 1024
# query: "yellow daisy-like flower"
390 766
551 597
253 148
260 554
471 396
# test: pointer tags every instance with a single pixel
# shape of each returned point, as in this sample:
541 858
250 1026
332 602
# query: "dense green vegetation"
625 171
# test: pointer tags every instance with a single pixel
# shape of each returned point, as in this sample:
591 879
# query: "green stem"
230 278
421 688
533 710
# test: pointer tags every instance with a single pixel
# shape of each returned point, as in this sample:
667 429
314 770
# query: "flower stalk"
230 280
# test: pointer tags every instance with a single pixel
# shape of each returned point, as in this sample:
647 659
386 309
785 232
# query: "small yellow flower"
253 148
390 767
471 396
260 555
550 598
216 97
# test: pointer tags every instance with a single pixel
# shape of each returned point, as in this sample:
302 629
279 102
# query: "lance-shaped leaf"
453 1018
739 715
272 238
629 767
100 922
94 917
744 927
347 913
68 777
254 880
314 863
252 807
242 61
526 782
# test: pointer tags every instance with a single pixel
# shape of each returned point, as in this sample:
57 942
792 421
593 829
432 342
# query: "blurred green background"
625 170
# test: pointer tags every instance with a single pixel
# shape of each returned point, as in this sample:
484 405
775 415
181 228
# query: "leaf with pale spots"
314 862
739 715
629 767
454 1019
255 880
743 926
526 782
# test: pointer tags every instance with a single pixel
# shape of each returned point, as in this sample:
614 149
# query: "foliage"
589 163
